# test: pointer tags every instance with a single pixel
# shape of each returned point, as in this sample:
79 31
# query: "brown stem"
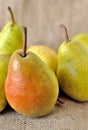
60 100
66 32
12 16
25 42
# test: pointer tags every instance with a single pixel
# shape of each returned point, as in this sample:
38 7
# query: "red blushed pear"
31 87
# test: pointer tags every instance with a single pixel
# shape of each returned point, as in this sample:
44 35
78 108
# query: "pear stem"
25 42
12 16
60 100
66 32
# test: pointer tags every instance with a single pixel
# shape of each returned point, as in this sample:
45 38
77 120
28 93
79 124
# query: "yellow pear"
83 38
47 54
3 72
72 70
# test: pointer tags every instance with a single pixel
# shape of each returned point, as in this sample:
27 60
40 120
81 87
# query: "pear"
47 54
72 70
3 72
31 87
11 37
83 38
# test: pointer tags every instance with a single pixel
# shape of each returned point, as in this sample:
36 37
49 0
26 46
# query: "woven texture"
42 18
69 116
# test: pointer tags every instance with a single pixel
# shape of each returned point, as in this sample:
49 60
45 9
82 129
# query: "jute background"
42 18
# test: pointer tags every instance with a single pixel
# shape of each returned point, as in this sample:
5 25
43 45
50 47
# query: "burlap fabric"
70 116
42 17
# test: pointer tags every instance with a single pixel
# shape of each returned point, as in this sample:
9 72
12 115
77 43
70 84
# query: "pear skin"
83 38
47 54
31 87
3 72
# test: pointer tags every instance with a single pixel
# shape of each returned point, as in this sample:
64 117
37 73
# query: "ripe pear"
3 72
11 37
31 87
83 38
48 55
72 70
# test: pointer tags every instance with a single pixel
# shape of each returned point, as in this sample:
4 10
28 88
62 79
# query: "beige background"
43 17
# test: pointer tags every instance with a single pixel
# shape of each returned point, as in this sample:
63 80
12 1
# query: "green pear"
31 87
3 72
72 70
48 55
11 37
83 38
